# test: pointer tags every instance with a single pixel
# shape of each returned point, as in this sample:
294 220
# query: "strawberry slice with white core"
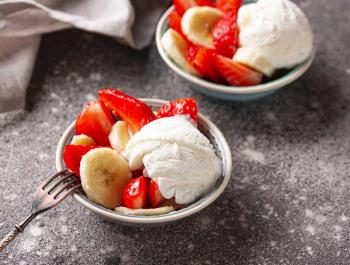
95 121
182 106
135 193
131 110
237 74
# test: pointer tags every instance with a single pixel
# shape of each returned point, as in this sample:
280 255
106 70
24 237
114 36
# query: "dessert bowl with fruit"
144 161
235 49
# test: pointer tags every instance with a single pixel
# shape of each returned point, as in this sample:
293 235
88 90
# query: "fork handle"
9 238
13 234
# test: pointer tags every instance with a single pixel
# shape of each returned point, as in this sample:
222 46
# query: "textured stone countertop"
288 201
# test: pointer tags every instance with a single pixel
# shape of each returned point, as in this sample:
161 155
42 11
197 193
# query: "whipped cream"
278 29
177 156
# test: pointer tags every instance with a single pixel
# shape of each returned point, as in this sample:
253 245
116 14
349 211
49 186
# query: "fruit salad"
227 42
137 161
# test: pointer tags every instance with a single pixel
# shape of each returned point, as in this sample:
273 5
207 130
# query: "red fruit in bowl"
182 5
72 155
203 60
129 109
192 52
229 5
205 3
237 74
225 35
182 106
175 22
95 121
155 197
135 193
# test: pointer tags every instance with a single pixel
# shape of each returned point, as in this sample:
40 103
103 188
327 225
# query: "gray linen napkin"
23 21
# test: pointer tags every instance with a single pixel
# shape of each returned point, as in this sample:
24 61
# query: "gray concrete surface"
287 203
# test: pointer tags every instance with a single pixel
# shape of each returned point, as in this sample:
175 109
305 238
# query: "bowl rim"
173 216
286 79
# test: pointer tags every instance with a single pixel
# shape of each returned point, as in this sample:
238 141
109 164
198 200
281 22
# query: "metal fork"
50 193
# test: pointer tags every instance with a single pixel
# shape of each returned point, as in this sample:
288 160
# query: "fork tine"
65 186
60 181
48 181
68 192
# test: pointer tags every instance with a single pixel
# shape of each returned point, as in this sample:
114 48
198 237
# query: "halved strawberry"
182 5
95 121
229 5
182 106
135 193
155 197
129 109
237 74
225 35
72 155
203 60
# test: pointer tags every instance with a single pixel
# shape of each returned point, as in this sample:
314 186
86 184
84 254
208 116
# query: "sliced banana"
197 24
175 46
83 139
119 136
254 59
152 211
104 174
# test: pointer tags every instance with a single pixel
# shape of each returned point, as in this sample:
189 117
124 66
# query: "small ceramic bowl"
226 92
222 150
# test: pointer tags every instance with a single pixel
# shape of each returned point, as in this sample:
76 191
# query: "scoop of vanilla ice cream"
278 29
177 156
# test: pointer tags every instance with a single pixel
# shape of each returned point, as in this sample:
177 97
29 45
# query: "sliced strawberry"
225 35
192 52
182 106
95 121
203 60
129 109
175 22
135 193
205 3
72 155
237 74
229 5
182 5
155 197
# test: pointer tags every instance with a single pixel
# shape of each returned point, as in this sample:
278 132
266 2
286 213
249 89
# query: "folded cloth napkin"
23 21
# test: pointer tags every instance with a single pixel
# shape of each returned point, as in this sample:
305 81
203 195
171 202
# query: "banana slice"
152 211
197 24
252 58
175 46
83 139
119 136
104 174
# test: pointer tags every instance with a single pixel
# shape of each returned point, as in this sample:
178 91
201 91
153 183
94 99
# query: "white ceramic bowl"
222 150
226 92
